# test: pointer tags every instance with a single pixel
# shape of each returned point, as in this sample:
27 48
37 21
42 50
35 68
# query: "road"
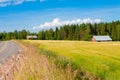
8 49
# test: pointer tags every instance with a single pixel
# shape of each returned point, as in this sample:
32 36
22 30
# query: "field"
99 59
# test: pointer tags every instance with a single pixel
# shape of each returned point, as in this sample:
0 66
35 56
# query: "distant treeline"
70 32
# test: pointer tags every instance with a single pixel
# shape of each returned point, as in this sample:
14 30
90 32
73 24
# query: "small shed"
101 38
31 37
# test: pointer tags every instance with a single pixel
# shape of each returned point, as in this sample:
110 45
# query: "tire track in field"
100 53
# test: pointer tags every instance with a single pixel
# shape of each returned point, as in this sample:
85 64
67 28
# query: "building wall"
93 39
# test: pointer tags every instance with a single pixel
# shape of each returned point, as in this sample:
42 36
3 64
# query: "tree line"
15 35
70 32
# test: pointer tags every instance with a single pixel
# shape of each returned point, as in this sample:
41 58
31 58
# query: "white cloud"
16 2
4 3
97 20
58 22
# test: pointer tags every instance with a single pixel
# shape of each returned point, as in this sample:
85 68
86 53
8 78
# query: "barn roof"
31 36
102 38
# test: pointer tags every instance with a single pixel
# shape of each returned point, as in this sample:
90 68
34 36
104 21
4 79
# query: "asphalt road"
8 49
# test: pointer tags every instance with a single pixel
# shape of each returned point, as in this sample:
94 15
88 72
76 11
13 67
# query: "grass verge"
34 65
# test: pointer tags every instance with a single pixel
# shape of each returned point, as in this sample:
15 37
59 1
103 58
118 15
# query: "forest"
70 32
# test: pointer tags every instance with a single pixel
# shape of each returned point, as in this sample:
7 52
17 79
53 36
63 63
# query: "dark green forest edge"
69 32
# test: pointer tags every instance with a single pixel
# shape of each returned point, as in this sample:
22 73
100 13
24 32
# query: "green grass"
100 59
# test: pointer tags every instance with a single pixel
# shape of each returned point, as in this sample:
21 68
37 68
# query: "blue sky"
34 15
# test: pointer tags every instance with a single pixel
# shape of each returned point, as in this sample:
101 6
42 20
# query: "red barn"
101 38
31 37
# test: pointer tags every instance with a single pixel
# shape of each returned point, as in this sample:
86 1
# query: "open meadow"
96 59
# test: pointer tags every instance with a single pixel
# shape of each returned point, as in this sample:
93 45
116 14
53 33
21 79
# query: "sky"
34 15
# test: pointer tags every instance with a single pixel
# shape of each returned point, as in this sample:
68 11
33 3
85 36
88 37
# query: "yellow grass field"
101 59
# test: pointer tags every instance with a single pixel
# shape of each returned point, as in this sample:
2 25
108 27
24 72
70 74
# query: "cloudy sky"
34 15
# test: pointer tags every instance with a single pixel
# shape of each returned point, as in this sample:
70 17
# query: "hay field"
101 59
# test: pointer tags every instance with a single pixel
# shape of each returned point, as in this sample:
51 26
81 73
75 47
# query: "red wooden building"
101 38
31 37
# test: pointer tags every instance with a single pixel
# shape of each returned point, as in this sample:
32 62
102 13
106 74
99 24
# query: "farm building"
31 37
101 38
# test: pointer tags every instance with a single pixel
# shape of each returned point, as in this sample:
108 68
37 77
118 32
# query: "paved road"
7 49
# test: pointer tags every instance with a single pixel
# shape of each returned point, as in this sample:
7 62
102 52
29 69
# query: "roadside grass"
94 60
36 66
